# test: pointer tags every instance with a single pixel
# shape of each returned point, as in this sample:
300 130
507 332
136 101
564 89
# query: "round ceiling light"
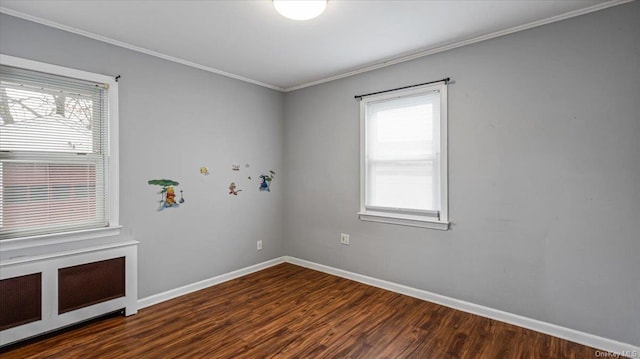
300 9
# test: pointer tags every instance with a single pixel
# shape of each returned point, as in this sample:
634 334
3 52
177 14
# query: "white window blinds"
53 154
402 154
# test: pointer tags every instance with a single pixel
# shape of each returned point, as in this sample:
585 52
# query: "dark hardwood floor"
288 311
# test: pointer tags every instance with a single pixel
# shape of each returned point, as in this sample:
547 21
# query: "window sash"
410 158
47 185
381 171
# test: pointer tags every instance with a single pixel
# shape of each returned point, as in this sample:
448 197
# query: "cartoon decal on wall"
204 171
265 181
167 192
233 189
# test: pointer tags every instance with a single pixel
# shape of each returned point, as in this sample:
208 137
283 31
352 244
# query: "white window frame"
113 175
404 216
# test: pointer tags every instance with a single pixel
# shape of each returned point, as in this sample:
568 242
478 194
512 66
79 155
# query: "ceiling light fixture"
300 9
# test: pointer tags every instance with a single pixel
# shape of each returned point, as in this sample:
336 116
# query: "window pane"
38 119
402 152
42 195
402 185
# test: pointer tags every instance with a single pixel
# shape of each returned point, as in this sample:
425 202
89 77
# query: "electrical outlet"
259 245
344 239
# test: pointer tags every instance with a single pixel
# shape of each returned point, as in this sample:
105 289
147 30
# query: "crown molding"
125 45
385 63
435 50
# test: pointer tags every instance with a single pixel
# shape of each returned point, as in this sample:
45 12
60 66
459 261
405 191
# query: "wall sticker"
168 193
265 181
233 189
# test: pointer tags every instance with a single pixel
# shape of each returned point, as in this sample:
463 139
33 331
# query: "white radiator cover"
47 260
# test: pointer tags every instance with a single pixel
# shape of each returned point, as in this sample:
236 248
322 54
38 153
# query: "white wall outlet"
259 245
344 239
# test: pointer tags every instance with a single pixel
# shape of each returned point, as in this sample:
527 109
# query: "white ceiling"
250 41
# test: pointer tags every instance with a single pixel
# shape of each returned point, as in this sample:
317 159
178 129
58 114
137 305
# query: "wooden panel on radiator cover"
87 284
20 300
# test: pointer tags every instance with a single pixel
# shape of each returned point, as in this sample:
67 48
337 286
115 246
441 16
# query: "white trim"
21 259
435 50
389 62
56 70
57 238
529 323
362 154
206 283
444 155
113 154
125 45
404 220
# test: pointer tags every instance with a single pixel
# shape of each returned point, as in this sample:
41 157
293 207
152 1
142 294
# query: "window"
404 157
58 161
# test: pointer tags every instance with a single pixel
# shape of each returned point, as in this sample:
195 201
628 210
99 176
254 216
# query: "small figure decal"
204 171
265 181
235 167
233 190
170 197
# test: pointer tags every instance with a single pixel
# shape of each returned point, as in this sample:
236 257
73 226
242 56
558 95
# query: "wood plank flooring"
287 311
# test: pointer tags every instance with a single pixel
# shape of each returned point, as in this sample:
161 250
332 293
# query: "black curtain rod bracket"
445 80
117 78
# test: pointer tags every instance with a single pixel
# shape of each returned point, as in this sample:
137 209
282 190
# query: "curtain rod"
445 80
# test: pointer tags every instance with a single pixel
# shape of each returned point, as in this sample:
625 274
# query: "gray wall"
174 119
544 170
544 176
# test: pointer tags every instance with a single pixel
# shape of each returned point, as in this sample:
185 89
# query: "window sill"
404 220
13 244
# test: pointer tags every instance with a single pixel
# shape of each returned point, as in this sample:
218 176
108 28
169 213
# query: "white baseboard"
591 340
572 335
189 288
